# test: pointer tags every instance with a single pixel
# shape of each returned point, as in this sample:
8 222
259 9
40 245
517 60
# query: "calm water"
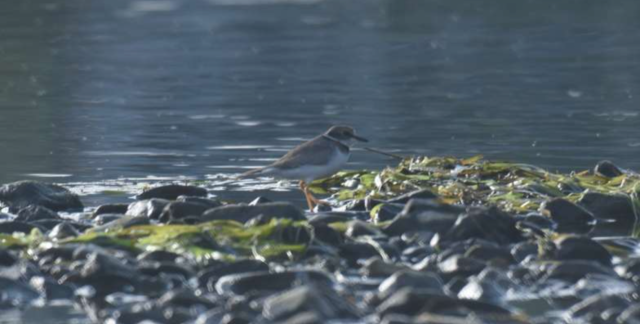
95 90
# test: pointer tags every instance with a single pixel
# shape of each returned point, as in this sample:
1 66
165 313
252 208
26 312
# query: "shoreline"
432 239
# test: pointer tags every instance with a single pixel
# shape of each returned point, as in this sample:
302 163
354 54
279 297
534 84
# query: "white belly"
309 173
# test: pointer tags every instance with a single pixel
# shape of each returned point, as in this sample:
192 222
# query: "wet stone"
386 212
408 301
423 215
522 250
591 308
574 270
327 235
151 208
630 315
15 293
47 224
322 301
159 256
184 298
375 267
7 258
264 282
569 217
582 248
337 217
13 227
50 289
106 218
458 265
244 213
172 192
110 209
154 269
181 210
540 221
607 169
260 200
418 194
63 230
35 213
490 224
490 253
354 251
410 279
615 213
490 285
359 228
124 222
209 277
21 194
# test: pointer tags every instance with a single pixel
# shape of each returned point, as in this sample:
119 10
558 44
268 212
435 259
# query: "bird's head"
345 134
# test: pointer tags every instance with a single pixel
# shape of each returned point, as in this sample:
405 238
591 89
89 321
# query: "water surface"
101 90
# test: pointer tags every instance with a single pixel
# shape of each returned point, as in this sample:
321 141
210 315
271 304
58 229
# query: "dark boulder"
418 194
411 279
408 301
260 200
18 195
490 224
581 248
15 293
20 227
359 228
458 265
35 213
62 231
614 213
573 270
322 301
209 276
569 217
50 289
423 215
110 209
268 283
184 298
244 213
607 169
180 210
490 253
172 192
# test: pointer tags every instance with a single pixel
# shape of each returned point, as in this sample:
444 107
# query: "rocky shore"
433 240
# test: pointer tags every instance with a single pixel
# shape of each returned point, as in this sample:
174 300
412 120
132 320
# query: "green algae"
220 240
514 187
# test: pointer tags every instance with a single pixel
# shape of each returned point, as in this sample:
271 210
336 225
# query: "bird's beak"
361 139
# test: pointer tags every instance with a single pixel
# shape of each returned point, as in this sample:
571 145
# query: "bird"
320 157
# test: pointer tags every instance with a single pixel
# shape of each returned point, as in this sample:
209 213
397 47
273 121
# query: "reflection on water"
104 90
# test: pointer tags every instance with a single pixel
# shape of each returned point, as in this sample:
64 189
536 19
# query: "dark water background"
94 90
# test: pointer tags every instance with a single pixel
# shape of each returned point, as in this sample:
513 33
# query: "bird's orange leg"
304 189
316 200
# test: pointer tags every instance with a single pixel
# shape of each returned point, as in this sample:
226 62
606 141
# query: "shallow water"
102 90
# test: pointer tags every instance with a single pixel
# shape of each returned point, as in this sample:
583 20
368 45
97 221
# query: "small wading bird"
318 158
